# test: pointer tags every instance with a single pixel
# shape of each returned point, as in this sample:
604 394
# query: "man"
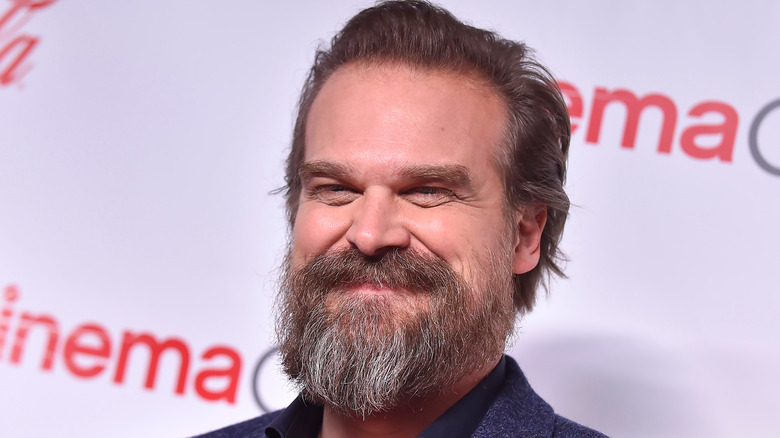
425 197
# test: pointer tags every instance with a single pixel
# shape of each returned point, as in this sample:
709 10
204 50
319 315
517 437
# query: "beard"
366 353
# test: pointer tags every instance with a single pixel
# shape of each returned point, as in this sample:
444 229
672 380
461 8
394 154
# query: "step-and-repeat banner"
139 240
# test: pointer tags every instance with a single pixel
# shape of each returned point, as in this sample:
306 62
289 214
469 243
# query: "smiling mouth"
372 288
392 301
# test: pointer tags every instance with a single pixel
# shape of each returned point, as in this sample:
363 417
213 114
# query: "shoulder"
254 428
565 428
519 412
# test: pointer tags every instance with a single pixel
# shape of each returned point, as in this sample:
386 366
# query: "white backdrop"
139 141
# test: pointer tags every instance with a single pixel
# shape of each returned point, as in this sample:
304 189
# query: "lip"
369 288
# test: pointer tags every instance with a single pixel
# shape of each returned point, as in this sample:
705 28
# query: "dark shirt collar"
302 420
462 418
299 420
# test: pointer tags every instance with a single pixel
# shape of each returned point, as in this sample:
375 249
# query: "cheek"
443 235
456 238
315 231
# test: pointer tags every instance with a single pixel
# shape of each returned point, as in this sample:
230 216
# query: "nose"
377 225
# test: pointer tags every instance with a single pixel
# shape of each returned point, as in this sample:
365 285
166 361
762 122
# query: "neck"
406 421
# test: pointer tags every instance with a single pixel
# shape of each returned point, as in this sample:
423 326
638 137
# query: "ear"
529 223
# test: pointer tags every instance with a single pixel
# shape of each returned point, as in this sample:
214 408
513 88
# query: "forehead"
404 113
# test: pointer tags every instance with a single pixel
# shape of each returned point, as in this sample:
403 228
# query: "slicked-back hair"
424 36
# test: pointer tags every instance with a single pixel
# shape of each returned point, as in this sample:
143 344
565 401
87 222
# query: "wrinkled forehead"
383 98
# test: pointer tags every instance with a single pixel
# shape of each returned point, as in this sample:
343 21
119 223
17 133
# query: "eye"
427 196
333 194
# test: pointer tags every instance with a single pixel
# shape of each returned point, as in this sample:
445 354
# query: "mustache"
396 269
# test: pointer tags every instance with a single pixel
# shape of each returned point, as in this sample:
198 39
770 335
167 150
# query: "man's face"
402 159
399 278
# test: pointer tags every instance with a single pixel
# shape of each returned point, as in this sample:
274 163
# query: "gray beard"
361 355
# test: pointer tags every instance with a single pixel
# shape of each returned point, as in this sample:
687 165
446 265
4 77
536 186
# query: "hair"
424 36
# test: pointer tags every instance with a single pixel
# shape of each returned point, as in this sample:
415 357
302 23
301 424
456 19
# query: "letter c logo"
271 388
264 360
753 138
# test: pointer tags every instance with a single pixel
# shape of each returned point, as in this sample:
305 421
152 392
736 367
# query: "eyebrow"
451 174
311 169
